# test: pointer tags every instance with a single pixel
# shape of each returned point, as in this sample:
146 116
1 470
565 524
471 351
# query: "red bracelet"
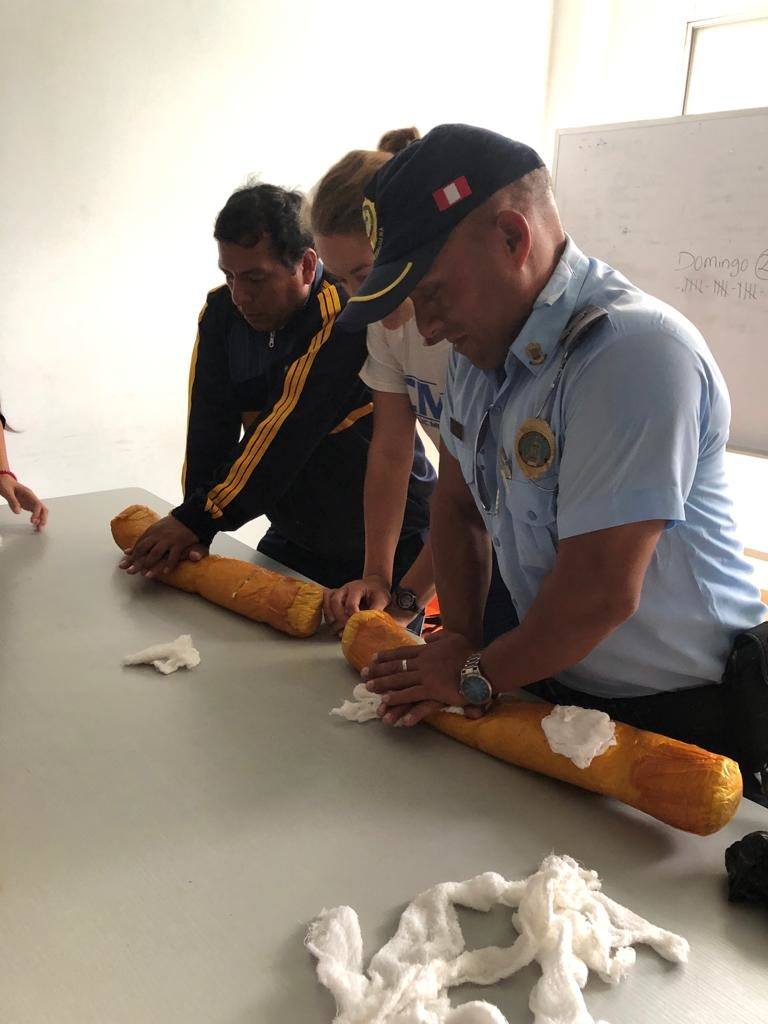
7 472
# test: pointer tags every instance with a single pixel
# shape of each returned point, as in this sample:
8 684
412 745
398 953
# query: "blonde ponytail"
338 197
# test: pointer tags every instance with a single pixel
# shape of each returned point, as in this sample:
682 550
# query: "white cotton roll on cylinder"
581 734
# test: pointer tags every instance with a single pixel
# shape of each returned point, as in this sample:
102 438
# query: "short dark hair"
260 209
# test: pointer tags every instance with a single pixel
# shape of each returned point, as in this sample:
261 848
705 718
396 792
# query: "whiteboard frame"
679 119
619 125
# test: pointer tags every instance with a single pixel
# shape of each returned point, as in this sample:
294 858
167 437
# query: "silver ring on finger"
404 665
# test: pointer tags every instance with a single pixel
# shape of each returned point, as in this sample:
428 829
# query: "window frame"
757 13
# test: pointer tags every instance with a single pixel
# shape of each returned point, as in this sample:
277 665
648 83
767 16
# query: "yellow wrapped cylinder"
292 606
678 783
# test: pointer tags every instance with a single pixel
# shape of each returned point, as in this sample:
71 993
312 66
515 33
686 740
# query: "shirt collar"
538 340
294 321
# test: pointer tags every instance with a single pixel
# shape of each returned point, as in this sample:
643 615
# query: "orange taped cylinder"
677 783
292 606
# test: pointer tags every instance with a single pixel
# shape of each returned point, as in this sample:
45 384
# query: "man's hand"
21 498
370 593
430 683
160 549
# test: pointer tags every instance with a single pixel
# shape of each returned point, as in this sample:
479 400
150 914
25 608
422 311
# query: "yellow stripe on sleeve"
333 300
353 417
264 435
289 391
222 494
192 371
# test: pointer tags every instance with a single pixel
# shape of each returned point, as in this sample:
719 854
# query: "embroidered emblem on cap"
535 353
371 225
451 193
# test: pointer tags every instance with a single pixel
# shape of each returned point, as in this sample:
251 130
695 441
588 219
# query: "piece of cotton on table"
166 658
361 708
563 920
364 706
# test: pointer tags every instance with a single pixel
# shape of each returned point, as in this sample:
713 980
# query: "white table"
165 840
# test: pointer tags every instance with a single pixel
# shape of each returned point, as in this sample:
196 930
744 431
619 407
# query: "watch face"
406 600
476 689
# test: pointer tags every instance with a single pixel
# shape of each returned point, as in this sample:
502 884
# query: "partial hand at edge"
21 498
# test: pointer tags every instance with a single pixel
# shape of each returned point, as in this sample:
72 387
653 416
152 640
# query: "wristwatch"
473 686
406 600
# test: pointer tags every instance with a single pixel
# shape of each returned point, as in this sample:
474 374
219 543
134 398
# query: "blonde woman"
407 378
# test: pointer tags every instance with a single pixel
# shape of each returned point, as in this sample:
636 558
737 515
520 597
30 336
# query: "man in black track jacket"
269 360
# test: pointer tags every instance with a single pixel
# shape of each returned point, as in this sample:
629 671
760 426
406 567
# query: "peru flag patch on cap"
450 194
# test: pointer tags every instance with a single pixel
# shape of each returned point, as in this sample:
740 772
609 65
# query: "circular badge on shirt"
535 448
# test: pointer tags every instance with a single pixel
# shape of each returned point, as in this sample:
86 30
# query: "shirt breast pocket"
533 511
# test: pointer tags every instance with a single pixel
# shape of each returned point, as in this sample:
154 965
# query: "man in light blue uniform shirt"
583 434
641 418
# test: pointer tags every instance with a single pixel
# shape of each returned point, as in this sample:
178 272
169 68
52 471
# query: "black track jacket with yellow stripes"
302 460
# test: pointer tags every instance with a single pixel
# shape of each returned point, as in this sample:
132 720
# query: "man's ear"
517 234
308 266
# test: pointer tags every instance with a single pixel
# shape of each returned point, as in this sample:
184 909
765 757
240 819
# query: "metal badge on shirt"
535 444
535 447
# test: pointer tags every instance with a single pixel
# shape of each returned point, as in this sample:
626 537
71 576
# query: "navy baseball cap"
417 198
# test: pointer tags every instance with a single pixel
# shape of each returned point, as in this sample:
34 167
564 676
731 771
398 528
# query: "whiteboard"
680 207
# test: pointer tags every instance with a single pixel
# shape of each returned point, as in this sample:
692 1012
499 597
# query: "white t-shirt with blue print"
399 362
641 417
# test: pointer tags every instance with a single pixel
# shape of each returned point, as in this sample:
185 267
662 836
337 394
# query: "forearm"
461 553
566 621
4 463
386 489
420 578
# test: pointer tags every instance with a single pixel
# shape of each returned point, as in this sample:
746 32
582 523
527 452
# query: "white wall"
126 123
623 60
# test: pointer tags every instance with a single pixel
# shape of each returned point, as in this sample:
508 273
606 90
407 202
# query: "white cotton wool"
364 706
564 923
580 734
361 708
167 658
